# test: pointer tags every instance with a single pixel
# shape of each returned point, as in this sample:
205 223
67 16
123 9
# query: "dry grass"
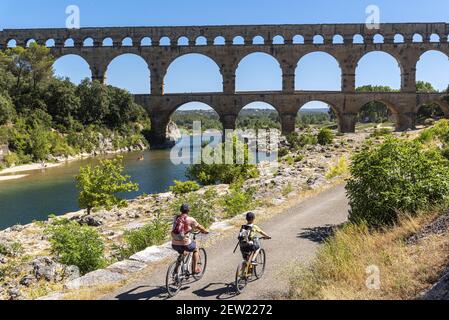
339 271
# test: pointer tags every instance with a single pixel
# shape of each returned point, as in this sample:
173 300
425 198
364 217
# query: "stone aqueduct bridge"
346 103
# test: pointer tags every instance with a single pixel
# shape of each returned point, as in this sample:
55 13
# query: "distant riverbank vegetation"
42 116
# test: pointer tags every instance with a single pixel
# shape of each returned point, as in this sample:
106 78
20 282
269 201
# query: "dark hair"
185 208
250 216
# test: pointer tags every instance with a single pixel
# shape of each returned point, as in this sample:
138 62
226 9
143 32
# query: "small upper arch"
378 38
318 39
127 42
399 38
107 42
278 39
358 39
338 39
183 41
219 41
258 40
201 41
417 38
88 42
146 42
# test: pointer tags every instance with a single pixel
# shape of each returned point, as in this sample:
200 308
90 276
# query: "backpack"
180 227
244 235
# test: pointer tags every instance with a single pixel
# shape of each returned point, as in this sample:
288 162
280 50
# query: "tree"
19 66
62 101
396 176
122 109
7 111
41 63
98 186
95 102
422 86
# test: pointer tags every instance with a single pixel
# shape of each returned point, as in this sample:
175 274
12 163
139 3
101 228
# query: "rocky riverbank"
28 270
106 147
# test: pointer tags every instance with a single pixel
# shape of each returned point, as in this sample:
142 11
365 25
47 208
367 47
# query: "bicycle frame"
185 261
248 266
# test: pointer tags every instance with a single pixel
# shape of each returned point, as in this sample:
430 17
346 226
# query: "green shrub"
299 158
396 176
445 152
11 159
380 132
300 140
237 201
223 171
340 169
3 249
76 244
180 187
154 233
287 189
325 136
289 160
440 131
283 152
202 207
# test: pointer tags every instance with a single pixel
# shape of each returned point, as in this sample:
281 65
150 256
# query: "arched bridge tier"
160 46
346 106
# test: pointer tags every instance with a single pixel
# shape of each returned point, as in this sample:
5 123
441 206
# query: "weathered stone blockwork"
346 103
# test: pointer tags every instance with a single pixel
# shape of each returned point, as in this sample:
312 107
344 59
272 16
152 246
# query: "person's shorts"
181 249
249 248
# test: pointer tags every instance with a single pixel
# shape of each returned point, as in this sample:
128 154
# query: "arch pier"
159 46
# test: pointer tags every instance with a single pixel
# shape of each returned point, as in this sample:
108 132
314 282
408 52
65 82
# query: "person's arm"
202 229
198 226
263 233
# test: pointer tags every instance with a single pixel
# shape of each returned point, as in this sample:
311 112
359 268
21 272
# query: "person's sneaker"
254 263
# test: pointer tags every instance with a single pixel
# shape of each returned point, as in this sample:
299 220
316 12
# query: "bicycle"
246 270
180 271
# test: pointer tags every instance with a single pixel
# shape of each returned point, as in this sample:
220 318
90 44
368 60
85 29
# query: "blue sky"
258 72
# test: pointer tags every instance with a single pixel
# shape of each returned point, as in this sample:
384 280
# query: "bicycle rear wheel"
202 263
261 260
173 280
240 278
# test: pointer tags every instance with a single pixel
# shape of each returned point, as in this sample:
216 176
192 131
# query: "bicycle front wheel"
241 279
173 280
202 264
261 260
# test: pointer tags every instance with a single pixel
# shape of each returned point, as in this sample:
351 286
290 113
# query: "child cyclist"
249 244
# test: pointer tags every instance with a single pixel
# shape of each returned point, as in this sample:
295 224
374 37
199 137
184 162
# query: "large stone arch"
328 55
441 100
209 57
139 60
246 55
442 53
332 105
403 119
390 53
77 56
254 100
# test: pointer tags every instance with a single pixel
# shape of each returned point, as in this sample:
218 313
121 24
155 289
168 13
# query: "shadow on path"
317 234
221 291
138 294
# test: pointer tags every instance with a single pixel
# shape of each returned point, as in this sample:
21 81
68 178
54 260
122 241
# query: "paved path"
296 233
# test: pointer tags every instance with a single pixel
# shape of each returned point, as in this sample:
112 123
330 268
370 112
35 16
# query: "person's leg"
256 254
195 258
